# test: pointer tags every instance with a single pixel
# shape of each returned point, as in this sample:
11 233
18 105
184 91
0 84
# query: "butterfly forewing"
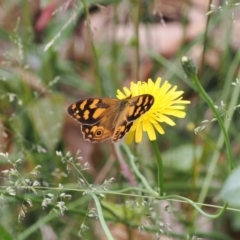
135 107
89 111
138 105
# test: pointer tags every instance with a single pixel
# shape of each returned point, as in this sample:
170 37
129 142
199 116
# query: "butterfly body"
103 118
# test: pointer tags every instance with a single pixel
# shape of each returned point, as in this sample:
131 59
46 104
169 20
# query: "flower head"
167 102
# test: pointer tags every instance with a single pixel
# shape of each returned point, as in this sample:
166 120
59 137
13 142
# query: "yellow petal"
129 137
138 134
151 132
168 120
134 126
175 113
176 107
158 82
159 128
120 95
145 125
127 91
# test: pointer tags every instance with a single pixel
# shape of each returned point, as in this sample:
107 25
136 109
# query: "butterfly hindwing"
121 130
95 133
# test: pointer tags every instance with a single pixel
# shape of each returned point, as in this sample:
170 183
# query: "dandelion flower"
167 102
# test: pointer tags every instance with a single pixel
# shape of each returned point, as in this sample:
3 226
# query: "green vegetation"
55 185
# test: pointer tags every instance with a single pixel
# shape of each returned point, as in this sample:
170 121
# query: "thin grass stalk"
99 86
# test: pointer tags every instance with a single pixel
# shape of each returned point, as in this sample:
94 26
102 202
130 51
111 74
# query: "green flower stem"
100 216
135 169
190 70
220 142
160 167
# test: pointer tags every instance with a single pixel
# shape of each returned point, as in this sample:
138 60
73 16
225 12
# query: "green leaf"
47 117
4 234
230 191
181 158
133 210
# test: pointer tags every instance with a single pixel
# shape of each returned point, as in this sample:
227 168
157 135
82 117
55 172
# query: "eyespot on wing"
95 133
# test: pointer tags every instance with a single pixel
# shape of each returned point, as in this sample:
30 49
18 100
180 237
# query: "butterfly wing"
135 107
103 118
97 117
138 105
96 133
90 111
121 130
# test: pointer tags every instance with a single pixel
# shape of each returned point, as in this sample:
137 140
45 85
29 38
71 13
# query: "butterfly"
103 118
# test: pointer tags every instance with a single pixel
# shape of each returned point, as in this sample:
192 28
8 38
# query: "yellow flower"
167 102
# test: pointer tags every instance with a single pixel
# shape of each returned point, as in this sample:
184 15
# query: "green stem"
220 142
100 216
136 9
205 40
182 199
99 85
140 176
219 119
135 169
160 167
212 216
190 70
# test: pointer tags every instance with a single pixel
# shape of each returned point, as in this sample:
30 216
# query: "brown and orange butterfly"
103 118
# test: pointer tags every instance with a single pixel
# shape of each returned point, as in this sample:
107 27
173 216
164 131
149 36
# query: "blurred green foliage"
44 67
